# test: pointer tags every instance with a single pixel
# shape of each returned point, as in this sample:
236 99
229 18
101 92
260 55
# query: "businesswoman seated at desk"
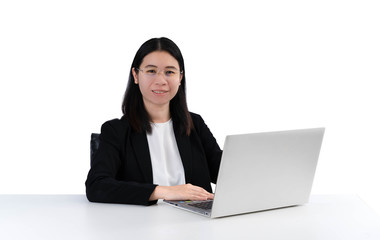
158 149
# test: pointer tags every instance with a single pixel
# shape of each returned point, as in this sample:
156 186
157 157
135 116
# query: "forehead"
160 59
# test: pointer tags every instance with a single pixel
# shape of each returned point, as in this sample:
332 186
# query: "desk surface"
73 217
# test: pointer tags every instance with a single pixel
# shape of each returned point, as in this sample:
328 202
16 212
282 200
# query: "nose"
160 78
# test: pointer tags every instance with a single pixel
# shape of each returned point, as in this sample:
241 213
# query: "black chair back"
94 145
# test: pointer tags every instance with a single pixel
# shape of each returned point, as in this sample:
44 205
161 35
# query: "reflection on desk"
73 217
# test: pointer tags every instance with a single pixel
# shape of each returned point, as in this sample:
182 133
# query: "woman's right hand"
181 192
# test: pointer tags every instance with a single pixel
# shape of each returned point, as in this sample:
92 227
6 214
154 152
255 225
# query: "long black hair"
133 105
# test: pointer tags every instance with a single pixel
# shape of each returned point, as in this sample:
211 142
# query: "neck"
158 114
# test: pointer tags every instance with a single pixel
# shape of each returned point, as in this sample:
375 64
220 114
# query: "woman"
158 149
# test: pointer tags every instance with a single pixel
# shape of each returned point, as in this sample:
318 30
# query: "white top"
166 162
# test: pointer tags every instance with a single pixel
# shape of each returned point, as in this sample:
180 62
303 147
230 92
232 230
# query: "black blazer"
122 169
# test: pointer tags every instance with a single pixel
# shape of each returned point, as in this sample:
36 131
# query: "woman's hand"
181 192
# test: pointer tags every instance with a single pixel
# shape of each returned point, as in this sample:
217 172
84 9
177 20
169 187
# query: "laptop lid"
262 171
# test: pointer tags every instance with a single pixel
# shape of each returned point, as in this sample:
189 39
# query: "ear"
135 76
180 79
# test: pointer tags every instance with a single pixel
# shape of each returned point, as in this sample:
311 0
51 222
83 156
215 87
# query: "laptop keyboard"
203 205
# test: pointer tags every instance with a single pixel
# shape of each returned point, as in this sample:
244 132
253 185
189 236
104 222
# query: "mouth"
159 91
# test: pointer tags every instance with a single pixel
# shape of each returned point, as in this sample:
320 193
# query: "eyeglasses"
152 72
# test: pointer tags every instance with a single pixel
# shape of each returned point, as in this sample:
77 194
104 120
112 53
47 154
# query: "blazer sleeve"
210 146
101 183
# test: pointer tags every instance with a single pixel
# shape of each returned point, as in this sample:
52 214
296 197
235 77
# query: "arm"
102 184
211 148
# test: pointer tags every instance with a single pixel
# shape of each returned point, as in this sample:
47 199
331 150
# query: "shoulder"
198 121
202 130
196 118
117 124
115 129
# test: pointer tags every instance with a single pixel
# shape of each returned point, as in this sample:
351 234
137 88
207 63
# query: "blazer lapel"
141 148
184 148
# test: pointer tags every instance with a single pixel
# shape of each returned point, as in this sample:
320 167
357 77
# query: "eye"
151 71
169 73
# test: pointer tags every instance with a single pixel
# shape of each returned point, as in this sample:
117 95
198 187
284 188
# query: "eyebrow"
170 67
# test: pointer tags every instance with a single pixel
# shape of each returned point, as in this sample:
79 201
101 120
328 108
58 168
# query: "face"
159 78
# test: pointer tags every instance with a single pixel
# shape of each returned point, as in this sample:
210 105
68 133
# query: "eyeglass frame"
158 72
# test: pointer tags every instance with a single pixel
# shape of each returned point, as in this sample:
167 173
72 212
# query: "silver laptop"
262 171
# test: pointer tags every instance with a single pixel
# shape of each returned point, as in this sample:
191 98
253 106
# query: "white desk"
73 217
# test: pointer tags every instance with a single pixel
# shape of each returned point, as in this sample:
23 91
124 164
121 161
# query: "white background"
251 67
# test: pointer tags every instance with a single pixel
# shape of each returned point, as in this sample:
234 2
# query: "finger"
201 194
211 196
196 193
